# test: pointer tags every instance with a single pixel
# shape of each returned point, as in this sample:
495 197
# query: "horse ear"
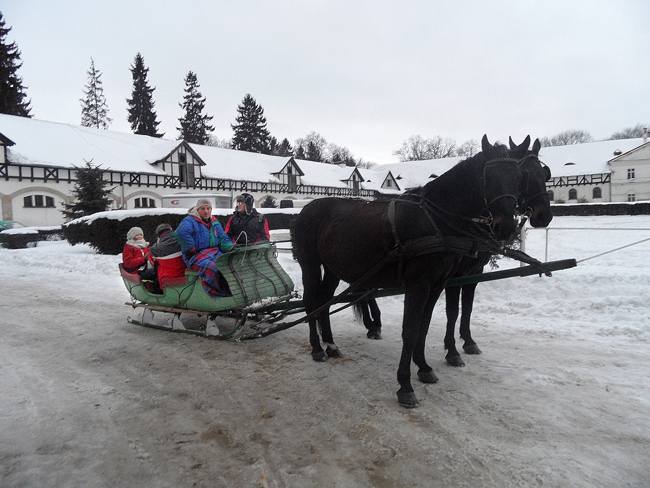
547 172
511 143
485 144
520 150
536 147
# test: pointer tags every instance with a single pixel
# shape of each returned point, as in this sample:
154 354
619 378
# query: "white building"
39 160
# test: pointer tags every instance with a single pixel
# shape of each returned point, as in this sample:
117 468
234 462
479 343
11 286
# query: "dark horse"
534 204
415 241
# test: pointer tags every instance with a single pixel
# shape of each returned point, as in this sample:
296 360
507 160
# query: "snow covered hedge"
106 231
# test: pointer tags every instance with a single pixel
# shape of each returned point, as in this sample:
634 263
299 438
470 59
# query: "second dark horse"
415 241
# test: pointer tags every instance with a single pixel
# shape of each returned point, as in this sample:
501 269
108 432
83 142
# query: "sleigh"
252 275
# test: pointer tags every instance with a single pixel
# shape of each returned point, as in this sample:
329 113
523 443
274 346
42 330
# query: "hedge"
108 236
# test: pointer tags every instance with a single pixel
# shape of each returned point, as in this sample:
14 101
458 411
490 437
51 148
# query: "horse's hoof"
333 353
374 334
319 356
427 377
455 361
471 349
407 400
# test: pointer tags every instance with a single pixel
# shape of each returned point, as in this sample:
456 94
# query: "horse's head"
502 182
534 196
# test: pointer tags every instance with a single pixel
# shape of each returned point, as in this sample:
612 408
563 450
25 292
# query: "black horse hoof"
374 334
319 356
333 353
455 361
471 349
407 400
427 377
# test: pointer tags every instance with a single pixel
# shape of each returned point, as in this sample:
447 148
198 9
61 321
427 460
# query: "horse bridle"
431 209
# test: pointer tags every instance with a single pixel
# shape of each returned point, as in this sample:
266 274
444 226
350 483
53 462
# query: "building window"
551 195
597 193
145 203
573 194
631 197
38 201
630 173
389 184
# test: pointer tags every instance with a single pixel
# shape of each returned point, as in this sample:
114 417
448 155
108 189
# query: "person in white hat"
203 240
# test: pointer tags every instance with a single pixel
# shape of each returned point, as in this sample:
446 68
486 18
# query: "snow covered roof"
44 143
411 174
239 165
585 159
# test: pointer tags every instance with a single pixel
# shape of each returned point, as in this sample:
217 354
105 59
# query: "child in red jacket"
134 255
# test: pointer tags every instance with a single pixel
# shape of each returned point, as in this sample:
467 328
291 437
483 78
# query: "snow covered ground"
560 396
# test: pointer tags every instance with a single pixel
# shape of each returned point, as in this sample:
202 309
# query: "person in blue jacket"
202 241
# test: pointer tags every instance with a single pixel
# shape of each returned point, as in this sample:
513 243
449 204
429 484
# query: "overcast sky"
364 74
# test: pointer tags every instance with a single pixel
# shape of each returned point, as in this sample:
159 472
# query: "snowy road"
560 397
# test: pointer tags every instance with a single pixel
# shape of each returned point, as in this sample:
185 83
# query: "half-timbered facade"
40 160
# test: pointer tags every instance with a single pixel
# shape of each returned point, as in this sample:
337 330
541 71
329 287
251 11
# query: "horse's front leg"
425 372
469 346
452 302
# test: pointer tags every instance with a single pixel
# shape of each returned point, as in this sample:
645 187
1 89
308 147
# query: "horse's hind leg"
374 332
327 290
452 302
311 282
371 317
469 346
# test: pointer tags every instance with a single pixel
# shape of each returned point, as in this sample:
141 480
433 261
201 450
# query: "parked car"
10 224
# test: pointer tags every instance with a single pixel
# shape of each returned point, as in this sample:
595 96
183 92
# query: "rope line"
613 250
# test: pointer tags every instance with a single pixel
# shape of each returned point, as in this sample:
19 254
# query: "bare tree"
318 146
214 141
468 148
567 138
416 148
630 132
340 155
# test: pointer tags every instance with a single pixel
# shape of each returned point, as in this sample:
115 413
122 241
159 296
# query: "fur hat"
248 200
203 202
162 228
133 231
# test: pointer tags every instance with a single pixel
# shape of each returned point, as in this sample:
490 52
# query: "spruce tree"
91 194
284 148
94 110
12 91
140 106
195 126
251 133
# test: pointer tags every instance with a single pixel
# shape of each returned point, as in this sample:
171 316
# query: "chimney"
645 135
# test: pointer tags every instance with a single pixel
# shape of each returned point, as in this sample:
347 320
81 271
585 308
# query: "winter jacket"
248 228
195 235
166 255
134 258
